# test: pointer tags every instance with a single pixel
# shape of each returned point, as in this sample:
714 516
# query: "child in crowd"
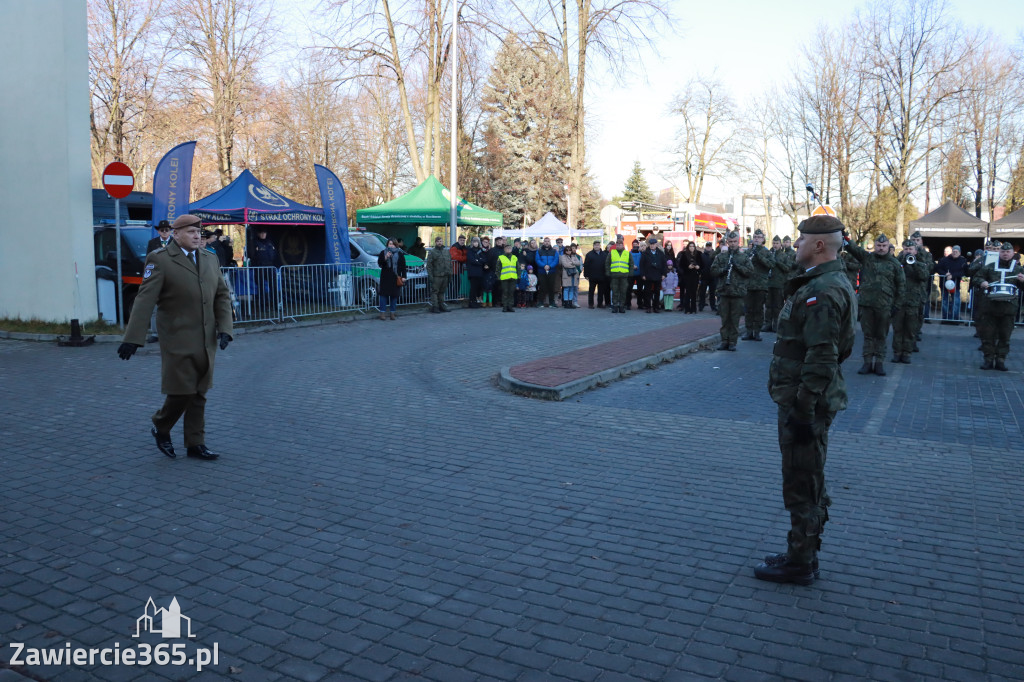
668 286
531 287
521 285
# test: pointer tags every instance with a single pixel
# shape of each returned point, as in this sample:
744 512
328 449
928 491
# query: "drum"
1002 292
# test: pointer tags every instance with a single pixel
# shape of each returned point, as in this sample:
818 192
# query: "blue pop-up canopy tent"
247 201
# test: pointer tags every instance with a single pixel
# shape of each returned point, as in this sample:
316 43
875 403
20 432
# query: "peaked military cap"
186 221
881 239
821 224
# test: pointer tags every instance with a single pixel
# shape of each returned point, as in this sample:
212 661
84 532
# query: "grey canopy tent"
1008 227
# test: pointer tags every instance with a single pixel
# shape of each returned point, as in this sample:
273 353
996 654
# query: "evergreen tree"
637 188
527 133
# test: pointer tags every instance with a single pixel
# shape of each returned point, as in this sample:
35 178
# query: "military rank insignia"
148 271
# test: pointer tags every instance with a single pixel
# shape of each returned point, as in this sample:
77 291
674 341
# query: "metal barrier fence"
957 306
255 293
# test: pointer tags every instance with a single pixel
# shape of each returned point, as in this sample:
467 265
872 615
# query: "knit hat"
668 262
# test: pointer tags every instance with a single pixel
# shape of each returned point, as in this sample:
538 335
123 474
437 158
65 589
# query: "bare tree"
126 60
707 126
914 49
223 43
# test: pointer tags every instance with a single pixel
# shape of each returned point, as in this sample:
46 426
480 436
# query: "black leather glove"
126 350
224 340
803 431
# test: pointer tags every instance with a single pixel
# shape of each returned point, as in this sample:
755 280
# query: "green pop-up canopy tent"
428 204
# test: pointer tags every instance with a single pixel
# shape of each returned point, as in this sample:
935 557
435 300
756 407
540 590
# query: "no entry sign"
118 180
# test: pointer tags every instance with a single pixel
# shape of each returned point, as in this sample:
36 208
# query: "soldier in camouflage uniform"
1000 308
925 257
906 322
731 268
981 320
761 260
776 282
815 335
882 285
852 267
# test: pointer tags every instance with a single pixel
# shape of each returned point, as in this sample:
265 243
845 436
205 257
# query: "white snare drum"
1001 291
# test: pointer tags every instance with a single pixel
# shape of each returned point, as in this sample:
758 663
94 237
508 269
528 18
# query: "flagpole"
453 218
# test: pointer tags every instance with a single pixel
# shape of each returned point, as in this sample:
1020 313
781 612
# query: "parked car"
365 247
134 239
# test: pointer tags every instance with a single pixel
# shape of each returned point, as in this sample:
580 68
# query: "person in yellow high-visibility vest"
508 273
617 268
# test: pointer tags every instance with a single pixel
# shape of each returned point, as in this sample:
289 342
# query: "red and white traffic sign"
118 180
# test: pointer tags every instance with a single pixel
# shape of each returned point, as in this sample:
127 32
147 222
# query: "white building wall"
45 180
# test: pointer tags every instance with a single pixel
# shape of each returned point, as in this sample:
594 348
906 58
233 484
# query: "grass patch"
43 327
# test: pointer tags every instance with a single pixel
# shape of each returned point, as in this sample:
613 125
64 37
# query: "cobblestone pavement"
382 511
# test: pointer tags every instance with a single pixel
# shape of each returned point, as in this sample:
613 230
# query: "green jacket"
439 263
882 282
785 260
731 269
815 335
761 260
917 276
852 267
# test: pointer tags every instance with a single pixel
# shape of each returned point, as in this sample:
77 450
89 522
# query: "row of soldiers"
892 291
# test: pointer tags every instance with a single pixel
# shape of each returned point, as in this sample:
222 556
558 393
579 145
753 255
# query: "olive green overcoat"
193 306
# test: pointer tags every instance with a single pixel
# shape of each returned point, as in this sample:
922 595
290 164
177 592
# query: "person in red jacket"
459 284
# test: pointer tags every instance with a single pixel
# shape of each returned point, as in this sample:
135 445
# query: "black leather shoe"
783 557
163 442
724 345
202 452
786 572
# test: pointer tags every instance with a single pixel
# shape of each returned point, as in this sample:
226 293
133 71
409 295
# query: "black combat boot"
785 572
1001 364
866 369
879 370
749 336
724 345
757 336
783 557
988 364
905 359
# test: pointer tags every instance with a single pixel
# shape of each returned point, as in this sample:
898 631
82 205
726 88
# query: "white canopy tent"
548 226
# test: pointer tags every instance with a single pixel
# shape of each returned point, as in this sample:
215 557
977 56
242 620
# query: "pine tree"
527 134
636 186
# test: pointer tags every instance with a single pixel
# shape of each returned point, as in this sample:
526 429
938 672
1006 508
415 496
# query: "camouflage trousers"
803 485
874 322
437 291
999 317
730 309
906 323
753 318
773 305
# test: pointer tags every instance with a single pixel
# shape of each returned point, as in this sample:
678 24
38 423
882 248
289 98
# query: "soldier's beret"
916 235
758 232
776 238
821 224
908 242
186 221
881 239
1006 246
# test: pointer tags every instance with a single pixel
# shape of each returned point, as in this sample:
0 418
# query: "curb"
509 383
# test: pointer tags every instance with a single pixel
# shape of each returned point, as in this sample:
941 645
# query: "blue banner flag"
332 197
172 182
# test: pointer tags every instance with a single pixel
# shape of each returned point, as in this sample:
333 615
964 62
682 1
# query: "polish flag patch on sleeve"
812 300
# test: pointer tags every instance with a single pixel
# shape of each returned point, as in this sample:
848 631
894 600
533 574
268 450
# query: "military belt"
789 351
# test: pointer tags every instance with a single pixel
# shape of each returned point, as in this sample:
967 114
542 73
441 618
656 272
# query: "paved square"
383 511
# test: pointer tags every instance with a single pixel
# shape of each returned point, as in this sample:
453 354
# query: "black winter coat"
475 259
652 264
388 283
593 266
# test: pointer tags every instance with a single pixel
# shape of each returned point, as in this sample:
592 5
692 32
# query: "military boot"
905 359
757 336
785 572
766 327
988 364
724 345
866 369
783 557
749 336
1001 364
878 369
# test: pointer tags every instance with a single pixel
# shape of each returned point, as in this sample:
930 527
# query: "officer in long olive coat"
815 335
194 312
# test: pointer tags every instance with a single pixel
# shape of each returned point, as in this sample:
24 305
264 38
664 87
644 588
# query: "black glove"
224 340
803 431
126 350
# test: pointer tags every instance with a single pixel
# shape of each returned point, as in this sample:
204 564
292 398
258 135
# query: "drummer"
999 283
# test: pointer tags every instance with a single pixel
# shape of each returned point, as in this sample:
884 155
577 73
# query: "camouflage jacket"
785 260
816 334
731 269
439 263
882 282
917 277
852 267
761 260
989 273
929 262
